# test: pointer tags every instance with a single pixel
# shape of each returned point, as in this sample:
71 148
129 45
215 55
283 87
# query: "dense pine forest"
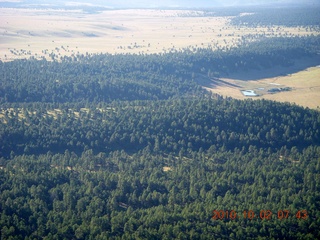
101 146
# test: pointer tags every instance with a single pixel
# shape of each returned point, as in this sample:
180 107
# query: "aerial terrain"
159 120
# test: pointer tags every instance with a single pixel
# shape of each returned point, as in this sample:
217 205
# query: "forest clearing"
304 88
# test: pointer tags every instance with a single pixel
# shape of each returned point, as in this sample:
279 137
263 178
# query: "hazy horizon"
152 4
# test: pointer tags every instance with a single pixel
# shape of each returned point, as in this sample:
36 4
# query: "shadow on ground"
299 65
215 82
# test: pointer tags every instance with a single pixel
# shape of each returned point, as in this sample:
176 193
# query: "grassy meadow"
26 32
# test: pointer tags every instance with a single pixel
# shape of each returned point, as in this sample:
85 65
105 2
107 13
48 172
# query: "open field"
305 88
27 32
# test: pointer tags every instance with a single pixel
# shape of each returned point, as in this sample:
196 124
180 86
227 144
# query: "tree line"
167 126
106 78
290 16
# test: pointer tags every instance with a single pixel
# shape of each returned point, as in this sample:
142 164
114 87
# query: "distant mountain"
148 4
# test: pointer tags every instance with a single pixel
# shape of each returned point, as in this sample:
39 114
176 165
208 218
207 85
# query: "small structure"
277 84
123 205
274 90
249 93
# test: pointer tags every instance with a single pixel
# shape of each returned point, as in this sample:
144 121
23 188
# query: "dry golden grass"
305 88
28 32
